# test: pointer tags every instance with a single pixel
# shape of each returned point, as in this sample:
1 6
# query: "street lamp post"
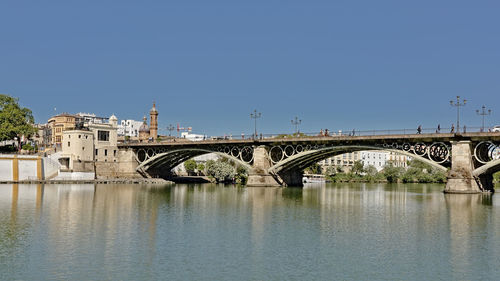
483 113
458 105
170 128
296 123
254 116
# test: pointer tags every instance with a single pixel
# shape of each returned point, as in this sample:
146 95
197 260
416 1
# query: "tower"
144 131
153 126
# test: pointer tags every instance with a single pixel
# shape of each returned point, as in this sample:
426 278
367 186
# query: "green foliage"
241 175
496 178
14 120
313 169
27 146
200 167
357 167
7 149
392 173
221 170
190 166
330 171
370 170
416 172
423 173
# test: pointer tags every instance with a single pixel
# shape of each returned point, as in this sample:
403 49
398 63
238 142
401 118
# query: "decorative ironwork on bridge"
243 153
487 151
438 152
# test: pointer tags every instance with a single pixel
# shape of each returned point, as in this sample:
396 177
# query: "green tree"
190 166
241 175
15 121
200 167
392 173
357 167
313 169
221 170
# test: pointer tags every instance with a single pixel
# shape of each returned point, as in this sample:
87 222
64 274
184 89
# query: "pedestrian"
242 136
321 132
353 132
419 129
326 133
465 129
439 128
452 128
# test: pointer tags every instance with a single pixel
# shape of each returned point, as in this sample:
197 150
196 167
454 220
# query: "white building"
95 142
77 151
105 140
193 137
398 160
90 118
129 128
374 158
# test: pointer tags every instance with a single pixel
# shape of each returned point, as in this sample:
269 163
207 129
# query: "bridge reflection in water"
65 229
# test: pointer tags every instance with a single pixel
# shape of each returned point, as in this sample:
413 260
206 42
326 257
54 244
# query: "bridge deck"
322 139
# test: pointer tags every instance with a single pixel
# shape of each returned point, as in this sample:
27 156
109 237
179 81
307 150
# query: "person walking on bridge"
419 129
452 128
438 129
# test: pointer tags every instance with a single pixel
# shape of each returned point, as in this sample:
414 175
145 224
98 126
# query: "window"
105 152
114 153
103 135
96 152
68 144
79 136
83 147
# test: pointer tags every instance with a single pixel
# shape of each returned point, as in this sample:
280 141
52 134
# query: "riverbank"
94 181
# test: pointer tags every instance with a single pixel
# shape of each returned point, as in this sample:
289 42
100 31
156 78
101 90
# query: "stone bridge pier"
260 175
461 176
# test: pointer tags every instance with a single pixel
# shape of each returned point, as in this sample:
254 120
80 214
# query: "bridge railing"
354 132
329 133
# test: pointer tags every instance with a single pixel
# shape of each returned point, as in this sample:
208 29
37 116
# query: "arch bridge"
469 159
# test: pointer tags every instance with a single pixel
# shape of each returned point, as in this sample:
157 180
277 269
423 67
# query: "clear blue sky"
208 64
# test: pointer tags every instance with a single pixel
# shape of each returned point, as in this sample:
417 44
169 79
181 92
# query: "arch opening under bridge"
162 163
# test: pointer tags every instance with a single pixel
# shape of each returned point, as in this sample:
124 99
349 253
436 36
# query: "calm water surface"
214 232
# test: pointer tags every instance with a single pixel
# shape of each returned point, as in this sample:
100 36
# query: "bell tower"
153 128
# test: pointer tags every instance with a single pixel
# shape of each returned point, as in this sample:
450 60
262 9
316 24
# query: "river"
216 232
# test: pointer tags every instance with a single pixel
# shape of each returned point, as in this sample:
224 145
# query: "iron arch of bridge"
304 159
488 168
171 158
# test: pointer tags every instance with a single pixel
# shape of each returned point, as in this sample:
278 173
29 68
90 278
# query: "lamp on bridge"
483 113
458 105
296 123
170 128
255 115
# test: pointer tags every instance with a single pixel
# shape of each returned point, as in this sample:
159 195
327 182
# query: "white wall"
75 176
27 169
50 168
5 170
